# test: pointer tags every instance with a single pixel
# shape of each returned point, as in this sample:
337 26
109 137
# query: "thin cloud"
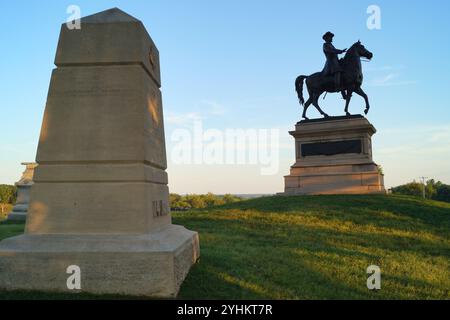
429 140
385 79
214 108
388 76
209 108
383 68
182 118
389 80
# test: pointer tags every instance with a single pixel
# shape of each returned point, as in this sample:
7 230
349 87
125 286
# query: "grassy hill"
313 247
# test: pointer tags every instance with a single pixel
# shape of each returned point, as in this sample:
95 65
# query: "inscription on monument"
158 208
331 148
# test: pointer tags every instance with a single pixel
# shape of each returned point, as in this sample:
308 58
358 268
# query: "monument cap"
92 44
109 16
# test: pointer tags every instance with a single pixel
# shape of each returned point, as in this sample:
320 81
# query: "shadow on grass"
271 248
286 276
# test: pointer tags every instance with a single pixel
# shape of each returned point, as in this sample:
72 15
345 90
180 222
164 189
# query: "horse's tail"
299 88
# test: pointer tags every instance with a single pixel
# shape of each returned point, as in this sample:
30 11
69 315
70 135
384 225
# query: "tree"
411 189
196 201
229 198
8 194
442 192
174 198
430 189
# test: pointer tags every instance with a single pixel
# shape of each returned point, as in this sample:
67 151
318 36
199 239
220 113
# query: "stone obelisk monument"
99 205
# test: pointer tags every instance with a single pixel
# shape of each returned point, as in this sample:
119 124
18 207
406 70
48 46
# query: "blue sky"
232 64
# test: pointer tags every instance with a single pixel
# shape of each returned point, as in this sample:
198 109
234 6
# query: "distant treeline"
433 190
198 201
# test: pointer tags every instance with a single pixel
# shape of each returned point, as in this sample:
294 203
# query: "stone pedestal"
20 210
100 199
334 156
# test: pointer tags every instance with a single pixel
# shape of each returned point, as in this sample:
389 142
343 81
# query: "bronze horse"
352 79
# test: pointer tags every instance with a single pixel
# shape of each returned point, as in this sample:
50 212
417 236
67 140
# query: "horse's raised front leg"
316 104
305 107
360 92
347 102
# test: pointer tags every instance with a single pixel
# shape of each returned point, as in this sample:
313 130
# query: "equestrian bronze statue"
339 75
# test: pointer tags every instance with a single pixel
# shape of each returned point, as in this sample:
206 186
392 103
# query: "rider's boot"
338 85
337 81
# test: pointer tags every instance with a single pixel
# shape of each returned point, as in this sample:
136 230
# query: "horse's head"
361 51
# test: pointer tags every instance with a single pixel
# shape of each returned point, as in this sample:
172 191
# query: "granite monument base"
334 156
152 265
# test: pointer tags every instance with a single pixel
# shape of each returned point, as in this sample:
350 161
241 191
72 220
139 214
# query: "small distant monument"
99 218
20 210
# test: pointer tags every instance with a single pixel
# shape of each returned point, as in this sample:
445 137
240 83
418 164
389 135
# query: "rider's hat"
328 35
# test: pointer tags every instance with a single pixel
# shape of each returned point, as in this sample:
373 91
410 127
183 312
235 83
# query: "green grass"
313 247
